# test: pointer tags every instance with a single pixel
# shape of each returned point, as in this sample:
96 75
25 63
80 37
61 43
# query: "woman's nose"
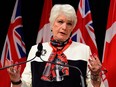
64 26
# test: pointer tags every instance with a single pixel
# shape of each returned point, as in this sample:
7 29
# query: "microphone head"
39 50
40 47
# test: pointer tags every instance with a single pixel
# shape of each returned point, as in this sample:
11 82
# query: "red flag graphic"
14 46
44 32
84 31
109 55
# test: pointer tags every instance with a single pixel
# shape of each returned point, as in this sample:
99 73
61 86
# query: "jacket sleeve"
26 75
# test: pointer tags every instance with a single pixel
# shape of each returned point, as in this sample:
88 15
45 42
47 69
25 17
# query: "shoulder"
78 51
79 45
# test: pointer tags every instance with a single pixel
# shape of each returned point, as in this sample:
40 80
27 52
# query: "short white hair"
66 9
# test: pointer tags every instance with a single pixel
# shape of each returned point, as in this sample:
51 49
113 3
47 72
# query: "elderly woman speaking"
67 61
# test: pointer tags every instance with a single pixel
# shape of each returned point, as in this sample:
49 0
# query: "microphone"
38 53
41 50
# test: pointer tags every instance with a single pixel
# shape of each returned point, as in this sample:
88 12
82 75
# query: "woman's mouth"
63 33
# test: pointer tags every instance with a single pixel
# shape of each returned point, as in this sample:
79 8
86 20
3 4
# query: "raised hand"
14 72
95 65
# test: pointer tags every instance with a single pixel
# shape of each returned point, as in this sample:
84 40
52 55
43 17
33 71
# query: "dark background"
31 13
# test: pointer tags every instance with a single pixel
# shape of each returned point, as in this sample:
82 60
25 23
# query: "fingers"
94 60
94 64
14 69
17 68
8 62
11 71
97 59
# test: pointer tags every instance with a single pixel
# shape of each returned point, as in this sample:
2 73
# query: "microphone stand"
81 75
17 64
38 54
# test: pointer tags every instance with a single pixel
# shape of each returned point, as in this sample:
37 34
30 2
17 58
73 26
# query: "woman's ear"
51 27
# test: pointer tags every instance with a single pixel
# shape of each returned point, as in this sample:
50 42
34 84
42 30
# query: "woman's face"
62 28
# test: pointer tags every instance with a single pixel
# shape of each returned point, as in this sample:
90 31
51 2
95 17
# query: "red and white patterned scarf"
53 72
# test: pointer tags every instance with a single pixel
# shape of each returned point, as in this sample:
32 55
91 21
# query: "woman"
63 51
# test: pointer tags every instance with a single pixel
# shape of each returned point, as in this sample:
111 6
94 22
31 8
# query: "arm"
25 80
14 73
94 77
93 70
17 80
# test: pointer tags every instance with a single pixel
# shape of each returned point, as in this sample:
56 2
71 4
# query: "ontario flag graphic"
109 54
14 46
84 31
44 32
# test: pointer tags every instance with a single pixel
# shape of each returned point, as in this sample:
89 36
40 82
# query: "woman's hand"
95 65
14 72
95 69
